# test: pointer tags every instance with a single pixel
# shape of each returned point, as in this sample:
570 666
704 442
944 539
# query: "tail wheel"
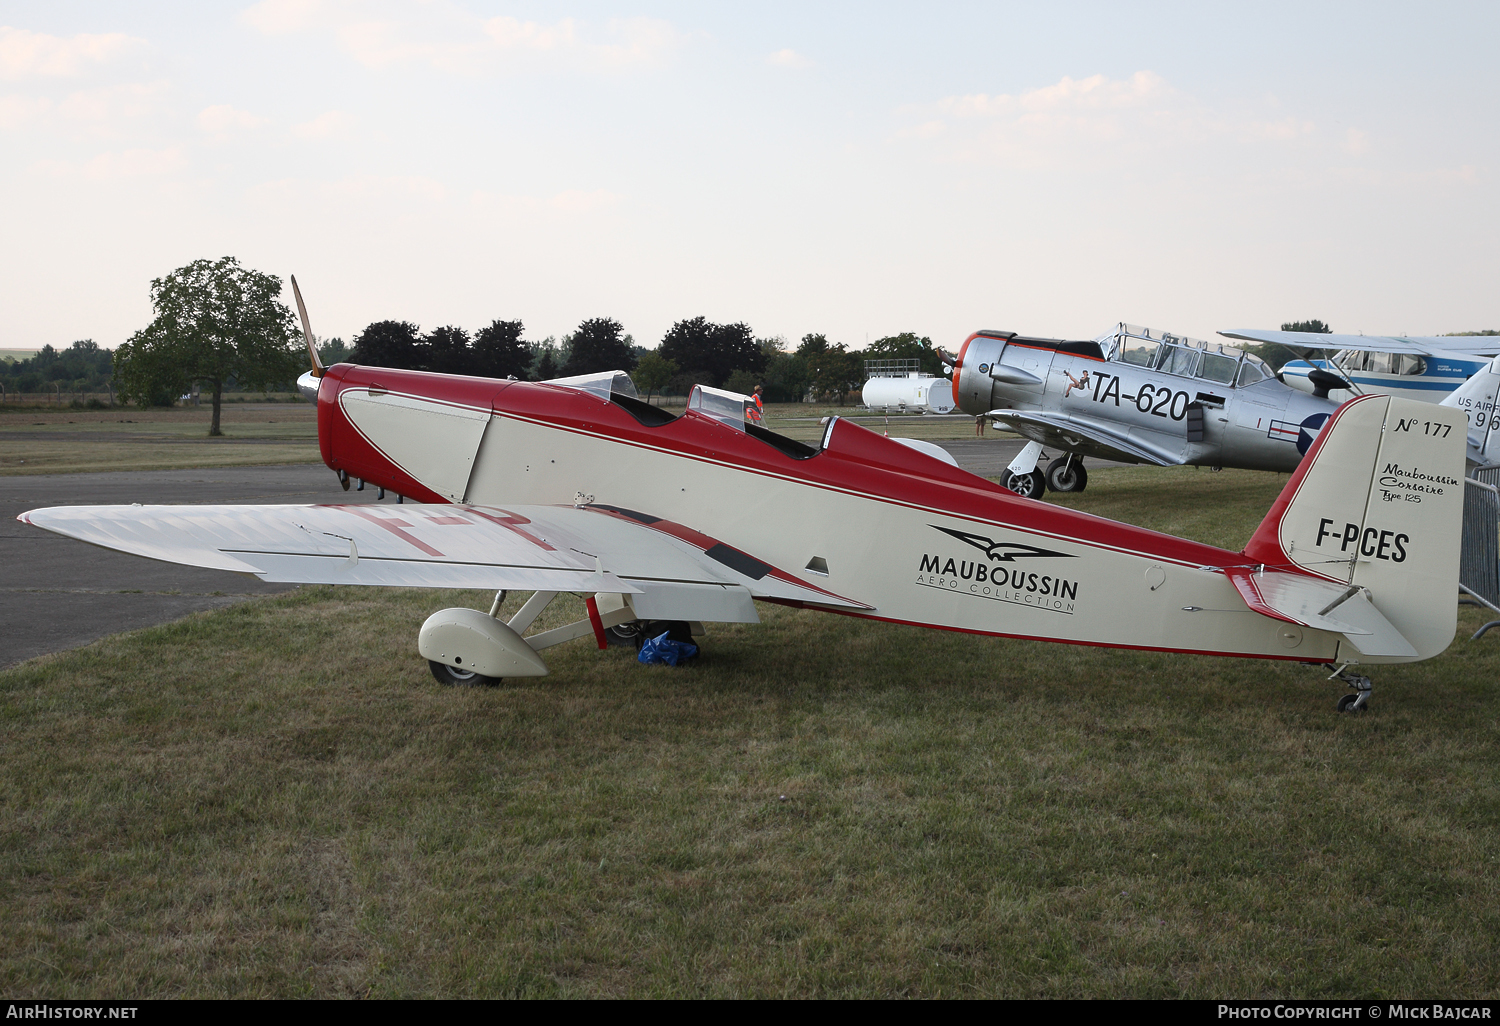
459 678
1028 486
1067 475
1348 704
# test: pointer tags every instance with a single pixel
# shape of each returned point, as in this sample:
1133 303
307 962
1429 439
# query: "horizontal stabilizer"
1323 605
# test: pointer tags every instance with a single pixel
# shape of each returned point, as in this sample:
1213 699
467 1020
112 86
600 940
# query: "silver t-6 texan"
1135 396
666 521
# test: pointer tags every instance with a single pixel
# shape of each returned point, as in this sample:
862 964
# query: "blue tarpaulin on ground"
664 650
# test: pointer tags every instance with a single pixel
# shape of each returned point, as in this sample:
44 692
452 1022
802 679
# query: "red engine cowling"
363 453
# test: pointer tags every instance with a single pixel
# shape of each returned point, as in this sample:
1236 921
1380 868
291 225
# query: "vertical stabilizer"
1378 503
1479 400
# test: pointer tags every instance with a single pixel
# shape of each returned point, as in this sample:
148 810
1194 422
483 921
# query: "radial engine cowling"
972 384
471 640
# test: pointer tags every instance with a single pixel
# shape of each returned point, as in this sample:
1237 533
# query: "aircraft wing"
1418 345
1085 435
1324 605
669 571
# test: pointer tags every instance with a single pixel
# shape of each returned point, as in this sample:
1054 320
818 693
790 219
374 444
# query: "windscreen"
725 407
601 384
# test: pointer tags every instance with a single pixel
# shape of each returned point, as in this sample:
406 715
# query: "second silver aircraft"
1134 396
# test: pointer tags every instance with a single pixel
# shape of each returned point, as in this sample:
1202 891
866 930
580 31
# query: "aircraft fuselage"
861 516
1169 416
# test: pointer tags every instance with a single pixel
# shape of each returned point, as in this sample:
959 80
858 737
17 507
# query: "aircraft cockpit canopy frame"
1402 364
1184 356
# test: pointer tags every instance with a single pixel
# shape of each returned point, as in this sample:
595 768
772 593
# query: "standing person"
758 410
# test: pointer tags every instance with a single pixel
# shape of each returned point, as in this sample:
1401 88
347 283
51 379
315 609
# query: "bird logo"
1001 552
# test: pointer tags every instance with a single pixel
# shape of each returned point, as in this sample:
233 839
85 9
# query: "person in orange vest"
758 410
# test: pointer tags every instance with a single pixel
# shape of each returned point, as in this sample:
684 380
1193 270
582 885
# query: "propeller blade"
312 349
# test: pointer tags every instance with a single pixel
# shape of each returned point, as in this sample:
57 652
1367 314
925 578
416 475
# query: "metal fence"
56 397
892 368
1479 556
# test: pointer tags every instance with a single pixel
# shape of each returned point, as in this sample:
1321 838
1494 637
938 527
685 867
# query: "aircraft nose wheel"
455 677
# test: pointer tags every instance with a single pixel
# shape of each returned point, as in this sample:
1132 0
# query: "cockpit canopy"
1178 354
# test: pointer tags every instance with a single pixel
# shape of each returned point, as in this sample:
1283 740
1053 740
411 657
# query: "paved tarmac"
57 593
988 457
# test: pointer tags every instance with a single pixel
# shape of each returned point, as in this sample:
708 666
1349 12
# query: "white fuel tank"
914 392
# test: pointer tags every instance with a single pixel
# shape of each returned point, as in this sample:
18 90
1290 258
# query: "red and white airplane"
578 486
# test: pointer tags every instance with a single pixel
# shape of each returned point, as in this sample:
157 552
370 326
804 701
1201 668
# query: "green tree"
448 351
743 382
1317 327
82 367
216 322
906 346
499 351
812 345
831 369
546 368
551 352
334 350
599 344
653 372
787 379
708 353
394 344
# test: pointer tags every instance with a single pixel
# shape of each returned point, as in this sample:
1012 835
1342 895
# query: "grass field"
277 800
39 441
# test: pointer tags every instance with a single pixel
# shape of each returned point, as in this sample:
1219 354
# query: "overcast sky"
853 169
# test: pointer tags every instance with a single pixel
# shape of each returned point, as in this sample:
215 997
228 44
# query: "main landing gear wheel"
625 635
455 677
1028 486
1067 474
